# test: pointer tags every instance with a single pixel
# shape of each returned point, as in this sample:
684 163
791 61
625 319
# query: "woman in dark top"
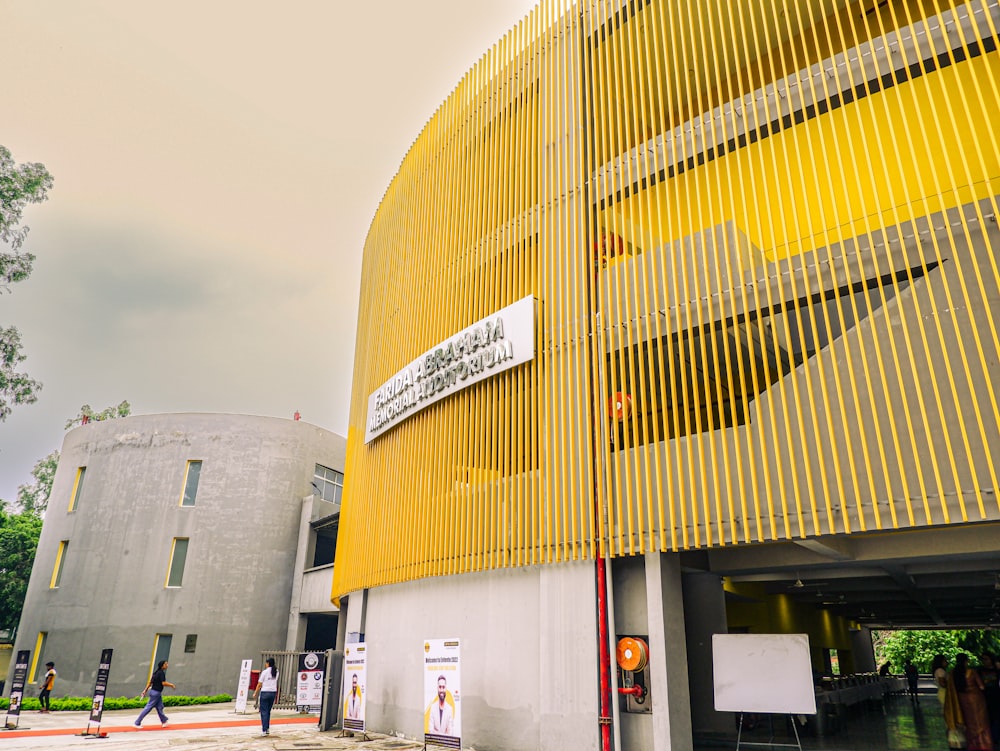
155 689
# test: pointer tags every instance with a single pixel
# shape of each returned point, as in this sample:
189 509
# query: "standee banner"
442 694
312 666
243 687
355 660
17 687
101 686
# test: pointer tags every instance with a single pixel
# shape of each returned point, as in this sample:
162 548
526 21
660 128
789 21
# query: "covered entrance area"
839 590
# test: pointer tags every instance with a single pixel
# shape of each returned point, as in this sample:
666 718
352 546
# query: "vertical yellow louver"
761 238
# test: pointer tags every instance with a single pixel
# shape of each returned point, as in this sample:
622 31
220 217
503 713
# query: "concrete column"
357 606
862 651
704 615
668 662
295 638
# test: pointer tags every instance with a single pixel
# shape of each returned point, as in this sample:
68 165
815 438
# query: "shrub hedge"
82 704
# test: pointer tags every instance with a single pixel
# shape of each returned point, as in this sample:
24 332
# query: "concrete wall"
529 655
704 615
316 586
243 532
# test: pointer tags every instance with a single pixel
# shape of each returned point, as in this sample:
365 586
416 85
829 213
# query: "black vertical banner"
101 686
17 687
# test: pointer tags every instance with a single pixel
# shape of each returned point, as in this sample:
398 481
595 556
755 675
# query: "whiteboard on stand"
767 673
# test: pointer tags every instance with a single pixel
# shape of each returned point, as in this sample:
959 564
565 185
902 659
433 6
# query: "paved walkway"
213 726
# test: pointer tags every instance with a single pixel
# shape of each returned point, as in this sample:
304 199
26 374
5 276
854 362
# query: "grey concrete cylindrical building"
171 536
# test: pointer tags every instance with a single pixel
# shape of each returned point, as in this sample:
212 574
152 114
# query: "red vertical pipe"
604 654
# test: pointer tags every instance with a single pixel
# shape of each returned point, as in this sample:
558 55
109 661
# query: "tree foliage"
20 184
18 542
15 387
87 414
33 497
897 647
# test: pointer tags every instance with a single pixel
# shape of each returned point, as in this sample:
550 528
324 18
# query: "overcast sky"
217 164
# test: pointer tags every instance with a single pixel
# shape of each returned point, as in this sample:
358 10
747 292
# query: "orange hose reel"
632 654
620 406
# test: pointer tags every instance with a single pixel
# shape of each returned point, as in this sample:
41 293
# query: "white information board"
768 673
243 687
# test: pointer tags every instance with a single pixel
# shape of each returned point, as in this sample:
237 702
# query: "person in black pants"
46 686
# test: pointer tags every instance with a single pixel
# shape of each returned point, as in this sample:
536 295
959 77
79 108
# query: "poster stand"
17 690
97 701
770 740
96 734
348 733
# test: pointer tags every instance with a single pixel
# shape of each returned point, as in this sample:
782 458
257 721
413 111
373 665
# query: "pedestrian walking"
48 681
155 690
266 694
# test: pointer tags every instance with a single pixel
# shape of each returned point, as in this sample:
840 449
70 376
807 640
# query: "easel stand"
770 741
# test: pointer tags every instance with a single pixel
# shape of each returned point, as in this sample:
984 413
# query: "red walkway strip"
152 728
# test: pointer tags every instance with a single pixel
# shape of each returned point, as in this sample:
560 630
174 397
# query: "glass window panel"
328 483
60 561
178 558
191 483
77 488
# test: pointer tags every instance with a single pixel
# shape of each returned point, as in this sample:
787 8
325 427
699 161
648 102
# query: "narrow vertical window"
58 568
161 651
74 497
36 660
191 483
178 556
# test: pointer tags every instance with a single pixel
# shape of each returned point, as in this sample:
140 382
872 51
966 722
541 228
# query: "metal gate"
287 664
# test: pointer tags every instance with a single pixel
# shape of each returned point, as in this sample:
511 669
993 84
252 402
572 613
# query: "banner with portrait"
442 693
355 661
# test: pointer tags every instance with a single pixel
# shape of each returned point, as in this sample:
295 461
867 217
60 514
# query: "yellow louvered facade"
761 238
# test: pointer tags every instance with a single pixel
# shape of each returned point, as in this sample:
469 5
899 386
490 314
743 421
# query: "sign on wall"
243 687
442 695
355 661
309 693
491 345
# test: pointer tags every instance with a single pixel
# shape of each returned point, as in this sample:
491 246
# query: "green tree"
20 184
18 542
87 414
33 497
897 647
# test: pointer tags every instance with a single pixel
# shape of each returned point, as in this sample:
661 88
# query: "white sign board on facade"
768 673
491 345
